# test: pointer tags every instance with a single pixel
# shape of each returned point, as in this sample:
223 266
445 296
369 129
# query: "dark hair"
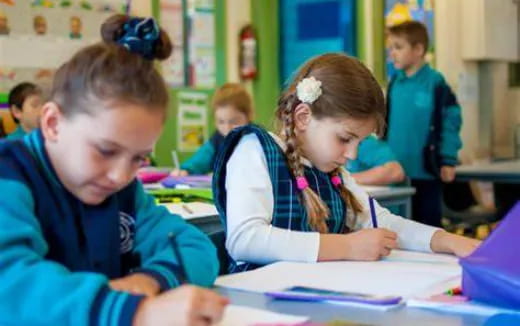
235 95
19 94
348 91
413 31
108 71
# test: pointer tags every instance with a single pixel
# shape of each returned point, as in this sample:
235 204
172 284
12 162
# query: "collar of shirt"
418 74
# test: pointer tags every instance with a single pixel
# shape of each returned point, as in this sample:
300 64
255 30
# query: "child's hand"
370 244
179 173
138 283
186 305
445 242
447 173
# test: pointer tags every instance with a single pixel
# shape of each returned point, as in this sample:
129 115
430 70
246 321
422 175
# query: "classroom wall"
238 15
490 108
505 101
370 42
142 8
266 87
489 104
448 55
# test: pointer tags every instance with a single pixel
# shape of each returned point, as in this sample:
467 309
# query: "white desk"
325 312
502 171
394 196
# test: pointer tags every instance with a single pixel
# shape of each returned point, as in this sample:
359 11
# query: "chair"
219 240
461 213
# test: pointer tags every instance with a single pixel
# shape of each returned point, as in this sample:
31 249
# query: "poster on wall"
202 47
399 11
37 36
192 120
172 22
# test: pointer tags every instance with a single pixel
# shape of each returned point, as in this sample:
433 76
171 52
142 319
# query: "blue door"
312 27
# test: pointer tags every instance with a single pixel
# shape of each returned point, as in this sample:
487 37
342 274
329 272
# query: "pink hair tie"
301 183
336 180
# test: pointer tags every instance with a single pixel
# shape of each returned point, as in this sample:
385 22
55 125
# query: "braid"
314 206
348 198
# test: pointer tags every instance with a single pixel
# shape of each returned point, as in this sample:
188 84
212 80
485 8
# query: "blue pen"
183 277
372 212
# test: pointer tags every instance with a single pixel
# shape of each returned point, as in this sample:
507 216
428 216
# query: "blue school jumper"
202 161
57 253
17 133
424 122
288 212
422 112
372 152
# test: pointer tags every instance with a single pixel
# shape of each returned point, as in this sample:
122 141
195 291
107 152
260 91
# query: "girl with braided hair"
287 196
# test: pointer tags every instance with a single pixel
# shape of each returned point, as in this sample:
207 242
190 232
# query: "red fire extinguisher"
248 53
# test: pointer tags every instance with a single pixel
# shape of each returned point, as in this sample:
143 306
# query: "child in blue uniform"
81 243
232 107
375 163
287 197
424 121
25 103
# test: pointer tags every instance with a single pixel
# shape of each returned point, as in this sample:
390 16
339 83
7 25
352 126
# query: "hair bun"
112 29
142 36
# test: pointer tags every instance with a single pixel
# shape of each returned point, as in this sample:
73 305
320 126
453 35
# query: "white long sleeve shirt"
249 209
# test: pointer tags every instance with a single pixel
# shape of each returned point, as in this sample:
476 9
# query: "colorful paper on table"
152 174
192 194
434 299
194 181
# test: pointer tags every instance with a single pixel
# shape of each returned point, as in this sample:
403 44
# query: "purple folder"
195 181
491 274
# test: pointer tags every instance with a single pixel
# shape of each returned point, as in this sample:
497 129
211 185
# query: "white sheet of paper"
402 277
192 210
245 316
421 257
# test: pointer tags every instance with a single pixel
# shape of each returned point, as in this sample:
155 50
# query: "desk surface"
323 312
380 193
505 171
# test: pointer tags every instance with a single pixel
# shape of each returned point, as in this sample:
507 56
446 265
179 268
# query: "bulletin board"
171 17
191 25
37 36
197 29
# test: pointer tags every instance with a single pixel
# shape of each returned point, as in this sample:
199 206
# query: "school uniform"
202 161
17 133
372 153
57 254
424 121
265 221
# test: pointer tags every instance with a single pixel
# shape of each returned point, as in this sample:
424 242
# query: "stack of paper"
404 274
418 277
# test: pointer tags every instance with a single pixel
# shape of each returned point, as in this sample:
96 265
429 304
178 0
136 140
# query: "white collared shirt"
250 235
